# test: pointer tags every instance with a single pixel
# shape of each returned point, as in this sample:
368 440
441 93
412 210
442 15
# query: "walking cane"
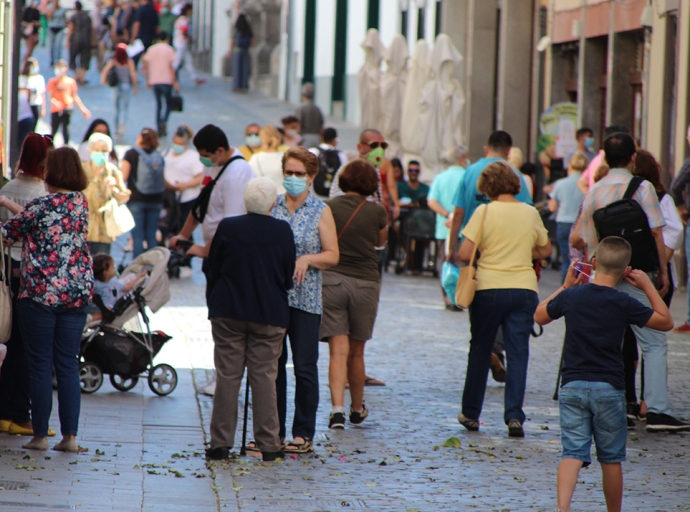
243 450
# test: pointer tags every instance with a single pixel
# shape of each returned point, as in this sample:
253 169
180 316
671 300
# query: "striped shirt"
610 189
21 190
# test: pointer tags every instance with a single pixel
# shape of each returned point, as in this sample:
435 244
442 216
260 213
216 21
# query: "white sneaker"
185 272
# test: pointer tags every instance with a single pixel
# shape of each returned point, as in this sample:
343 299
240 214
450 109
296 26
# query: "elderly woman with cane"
251 266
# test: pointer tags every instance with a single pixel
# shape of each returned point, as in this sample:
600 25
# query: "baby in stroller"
126 352
108 285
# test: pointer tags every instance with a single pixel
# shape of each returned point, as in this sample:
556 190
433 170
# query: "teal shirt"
404 190
443 190
469 198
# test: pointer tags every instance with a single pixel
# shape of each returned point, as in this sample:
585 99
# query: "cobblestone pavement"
145 452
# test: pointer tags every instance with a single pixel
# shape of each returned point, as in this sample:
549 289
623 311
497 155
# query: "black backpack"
626 218
200 205
329 163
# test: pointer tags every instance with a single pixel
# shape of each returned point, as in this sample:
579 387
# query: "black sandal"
306 447
251 446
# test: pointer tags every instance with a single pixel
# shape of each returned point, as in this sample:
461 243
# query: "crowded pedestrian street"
139 451
395 256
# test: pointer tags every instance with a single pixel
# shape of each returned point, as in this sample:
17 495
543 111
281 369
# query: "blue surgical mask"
253 140
589 142
206 161
178 149
99 158
294 185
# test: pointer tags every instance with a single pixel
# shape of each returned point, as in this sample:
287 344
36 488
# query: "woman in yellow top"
512 235
105 181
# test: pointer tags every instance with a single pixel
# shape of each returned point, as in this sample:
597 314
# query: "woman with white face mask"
105 182
183 170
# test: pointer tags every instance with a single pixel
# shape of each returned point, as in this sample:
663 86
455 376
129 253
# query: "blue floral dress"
305 227
56 267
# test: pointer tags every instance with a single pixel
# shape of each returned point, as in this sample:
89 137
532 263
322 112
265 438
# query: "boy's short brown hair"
499 178
64 170
613 256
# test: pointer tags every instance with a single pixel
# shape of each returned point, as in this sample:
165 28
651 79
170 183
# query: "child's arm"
133 284
661 320
540 315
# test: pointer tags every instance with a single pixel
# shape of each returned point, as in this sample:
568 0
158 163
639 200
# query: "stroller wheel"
90 377
124 382
162 379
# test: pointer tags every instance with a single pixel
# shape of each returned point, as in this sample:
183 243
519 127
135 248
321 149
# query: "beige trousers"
256 346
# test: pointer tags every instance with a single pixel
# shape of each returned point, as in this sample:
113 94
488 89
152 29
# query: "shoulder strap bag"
5 297
200 206
467 284
349 221
117 217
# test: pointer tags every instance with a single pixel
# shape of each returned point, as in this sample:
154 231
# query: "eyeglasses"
298 174
374 145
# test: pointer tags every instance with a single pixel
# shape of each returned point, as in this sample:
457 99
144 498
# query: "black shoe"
219 453
336 421
515 428
633 411
468 423
664 423
357 418
272 456
631 423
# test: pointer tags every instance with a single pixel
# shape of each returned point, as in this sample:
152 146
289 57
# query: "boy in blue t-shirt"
592 398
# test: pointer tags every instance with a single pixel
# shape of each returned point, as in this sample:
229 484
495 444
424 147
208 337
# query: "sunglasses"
298 174
413 171
374 145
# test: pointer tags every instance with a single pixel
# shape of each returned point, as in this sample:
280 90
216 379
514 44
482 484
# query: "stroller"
108 348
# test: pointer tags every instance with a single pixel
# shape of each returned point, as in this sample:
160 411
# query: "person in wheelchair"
413 196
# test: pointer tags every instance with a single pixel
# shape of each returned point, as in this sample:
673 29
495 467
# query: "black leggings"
61 118
631 355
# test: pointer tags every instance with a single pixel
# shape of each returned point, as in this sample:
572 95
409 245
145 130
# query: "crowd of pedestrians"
295 241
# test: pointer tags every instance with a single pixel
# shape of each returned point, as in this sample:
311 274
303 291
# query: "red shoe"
199 81
683 329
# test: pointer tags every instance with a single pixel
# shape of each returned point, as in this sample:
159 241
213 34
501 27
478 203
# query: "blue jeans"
52 336
303 333
56 42
162 92
654 351
241 62
593 409
513 310
563 237
146 217
121 95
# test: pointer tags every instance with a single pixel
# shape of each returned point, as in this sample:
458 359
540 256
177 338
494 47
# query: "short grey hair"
454 154
308 91
100 137
260 195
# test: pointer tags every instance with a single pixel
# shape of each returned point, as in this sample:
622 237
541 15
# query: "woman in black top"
142 167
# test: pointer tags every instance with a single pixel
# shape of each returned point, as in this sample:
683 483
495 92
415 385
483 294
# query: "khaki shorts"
349 306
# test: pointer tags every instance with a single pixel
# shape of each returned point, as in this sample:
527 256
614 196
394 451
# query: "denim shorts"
593 410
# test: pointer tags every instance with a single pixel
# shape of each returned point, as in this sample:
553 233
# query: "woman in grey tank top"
126 85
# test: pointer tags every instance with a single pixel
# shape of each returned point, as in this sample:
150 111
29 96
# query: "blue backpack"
150 179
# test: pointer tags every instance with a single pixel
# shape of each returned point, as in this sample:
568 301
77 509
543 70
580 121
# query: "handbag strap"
479 236
349 221
4 274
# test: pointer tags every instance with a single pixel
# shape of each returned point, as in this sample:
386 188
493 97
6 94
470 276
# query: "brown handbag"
467 284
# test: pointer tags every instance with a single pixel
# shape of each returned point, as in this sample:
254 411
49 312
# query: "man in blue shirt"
468 198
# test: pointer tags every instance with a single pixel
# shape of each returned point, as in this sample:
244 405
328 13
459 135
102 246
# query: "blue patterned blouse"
305 227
